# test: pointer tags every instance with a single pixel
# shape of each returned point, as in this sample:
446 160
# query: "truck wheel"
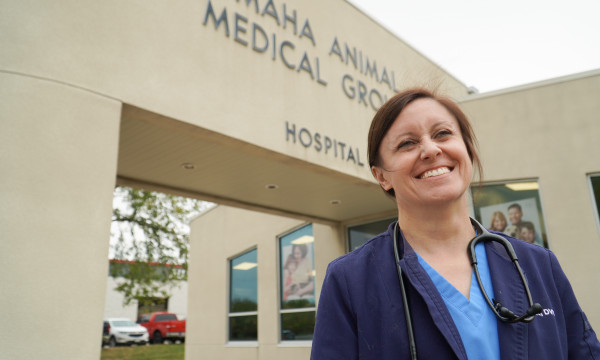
112 342
157 338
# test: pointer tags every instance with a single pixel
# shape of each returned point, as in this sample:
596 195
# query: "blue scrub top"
475 321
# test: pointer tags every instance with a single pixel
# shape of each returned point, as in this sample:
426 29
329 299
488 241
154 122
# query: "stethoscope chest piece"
500 311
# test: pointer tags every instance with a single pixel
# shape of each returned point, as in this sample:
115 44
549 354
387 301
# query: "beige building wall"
114 303
58 152
224 233
172 59
548 132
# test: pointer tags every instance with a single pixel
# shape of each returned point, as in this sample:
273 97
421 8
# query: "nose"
429 149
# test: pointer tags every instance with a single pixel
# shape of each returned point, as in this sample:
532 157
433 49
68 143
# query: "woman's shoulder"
370 251
527 253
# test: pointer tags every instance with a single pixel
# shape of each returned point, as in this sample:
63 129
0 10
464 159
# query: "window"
513 208
360 234
595 184
297 288
243 297
165 317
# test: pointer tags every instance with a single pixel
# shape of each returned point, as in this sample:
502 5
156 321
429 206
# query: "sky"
493 45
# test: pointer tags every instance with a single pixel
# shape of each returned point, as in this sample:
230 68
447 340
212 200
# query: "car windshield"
123 323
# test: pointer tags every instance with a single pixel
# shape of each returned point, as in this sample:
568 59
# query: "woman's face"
423 156
297 253
499 224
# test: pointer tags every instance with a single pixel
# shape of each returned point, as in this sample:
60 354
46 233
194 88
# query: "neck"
438 229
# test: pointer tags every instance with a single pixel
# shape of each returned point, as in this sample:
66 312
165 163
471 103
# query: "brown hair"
389 112
516 206
527 225
498 215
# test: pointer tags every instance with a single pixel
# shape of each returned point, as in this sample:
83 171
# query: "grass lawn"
152 352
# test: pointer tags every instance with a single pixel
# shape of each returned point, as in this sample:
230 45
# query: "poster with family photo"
297 267
519 219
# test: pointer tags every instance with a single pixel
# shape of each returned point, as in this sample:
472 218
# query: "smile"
435 172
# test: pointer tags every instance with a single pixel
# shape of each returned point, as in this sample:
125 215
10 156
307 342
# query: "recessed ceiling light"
188 166
335 202
271 186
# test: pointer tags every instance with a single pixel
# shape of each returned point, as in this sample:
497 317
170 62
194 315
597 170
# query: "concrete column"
58 161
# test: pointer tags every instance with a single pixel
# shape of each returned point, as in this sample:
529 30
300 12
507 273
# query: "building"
260 106
115 306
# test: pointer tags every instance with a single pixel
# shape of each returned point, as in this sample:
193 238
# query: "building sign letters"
294 55
326 144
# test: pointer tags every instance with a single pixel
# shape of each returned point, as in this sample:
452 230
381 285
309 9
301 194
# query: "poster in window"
514 212
297 269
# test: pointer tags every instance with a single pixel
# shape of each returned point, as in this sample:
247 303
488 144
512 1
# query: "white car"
117 331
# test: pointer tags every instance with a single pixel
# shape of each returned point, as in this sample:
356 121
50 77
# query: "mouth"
435 172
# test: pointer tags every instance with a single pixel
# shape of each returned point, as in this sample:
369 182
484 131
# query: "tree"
150 234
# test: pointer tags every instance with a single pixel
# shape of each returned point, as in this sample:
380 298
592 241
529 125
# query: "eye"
443 133
404 144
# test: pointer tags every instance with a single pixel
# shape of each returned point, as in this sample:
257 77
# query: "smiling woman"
423 156
439 266
386 118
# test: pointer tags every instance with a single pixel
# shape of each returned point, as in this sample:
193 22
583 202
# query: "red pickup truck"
163 326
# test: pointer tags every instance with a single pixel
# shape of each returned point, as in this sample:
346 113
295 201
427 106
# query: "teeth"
435 172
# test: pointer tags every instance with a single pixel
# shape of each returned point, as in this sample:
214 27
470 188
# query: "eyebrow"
440 123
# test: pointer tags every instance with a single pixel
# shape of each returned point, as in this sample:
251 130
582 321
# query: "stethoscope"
501 312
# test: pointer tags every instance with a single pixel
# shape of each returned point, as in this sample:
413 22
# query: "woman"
302 278
289 288
422 152
498 222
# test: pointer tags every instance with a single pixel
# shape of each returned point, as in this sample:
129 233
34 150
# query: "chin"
446 197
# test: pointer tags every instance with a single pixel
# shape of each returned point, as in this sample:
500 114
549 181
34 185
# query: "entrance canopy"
163 154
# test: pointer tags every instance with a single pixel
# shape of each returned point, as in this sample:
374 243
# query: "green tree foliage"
150 233
241 305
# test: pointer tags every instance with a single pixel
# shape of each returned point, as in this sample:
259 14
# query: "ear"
381 176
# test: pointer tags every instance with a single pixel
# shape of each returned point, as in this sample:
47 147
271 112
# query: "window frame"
476 186
391 218
595 204
280 310
240 343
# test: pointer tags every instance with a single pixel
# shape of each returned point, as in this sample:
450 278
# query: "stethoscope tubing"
407 313
500 311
